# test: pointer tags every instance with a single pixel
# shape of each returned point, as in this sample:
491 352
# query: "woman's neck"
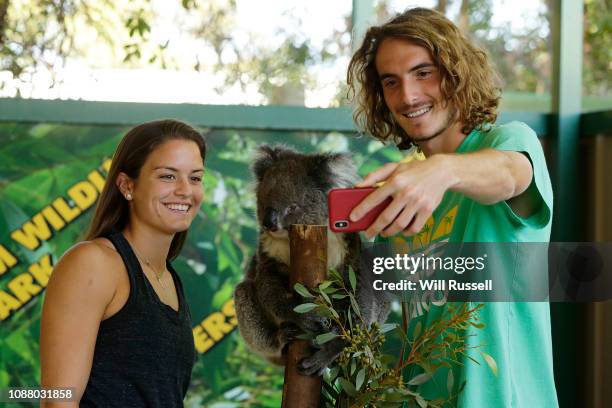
149 244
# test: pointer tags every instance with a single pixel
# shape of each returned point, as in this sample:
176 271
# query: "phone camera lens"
341 224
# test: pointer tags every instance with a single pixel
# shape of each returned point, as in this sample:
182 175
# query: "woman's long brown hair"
112 210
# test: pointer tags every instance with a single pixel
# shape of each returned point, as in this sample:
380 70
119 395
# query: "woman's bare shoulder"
98 249
90 262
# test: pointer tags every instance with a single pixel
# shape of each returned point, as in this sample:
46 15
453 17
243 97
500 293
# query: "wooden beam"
308 259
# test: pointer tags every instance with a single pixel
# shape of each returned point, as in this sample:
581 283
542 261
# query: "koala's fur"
292 189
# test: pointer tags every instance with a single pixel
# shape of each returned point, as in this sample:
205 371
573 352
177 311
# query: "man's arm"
487 176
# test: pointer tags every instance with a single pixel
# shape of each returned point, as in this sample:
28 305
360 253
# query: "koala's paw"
287 332
315 364
315 323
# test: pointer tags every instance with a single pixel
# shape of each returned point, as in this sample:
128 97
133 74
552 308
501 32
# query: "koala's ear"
335 170
343 171
266 156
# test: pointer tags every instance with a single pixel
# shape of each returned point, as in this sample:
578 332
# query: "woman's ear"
125 185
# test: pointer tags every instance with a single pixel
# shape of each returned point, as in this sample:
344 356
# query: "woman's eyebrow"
175 169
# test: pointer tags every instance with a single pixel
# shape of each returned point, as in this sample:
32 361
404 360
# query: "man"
419 81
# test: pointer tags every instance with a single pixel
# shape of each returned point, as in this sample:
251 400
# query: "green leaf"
417 331
338 296
360 378
420 379
355 305
490 361
324 285
326 298
347 387
304 307
325 337
387 327
334 275
450 381
301 289
333 373
352 279
421 401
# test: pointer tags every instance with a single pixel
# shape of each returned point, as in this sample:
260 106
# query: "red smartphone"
341 201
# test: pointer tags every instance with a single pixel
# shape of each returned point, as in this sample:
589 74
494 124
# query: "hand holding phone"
341 202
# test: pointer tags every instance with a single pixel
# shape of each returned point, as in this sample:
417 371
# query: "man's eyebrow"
415 68
175 169
421 65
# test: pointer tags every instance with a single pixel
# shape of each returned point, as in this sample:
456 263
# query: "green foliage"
597 48
363 376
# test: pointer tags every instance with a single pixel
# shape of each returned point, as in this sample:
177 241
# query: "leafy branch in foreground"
363 376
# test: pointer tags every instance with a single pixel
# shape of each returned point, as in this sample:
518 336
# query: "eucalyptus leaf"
352 279
387 327
490 362
417 331
420 379
333 373
347 386
324 285
421 401
355 305
301 289
360 377
325 337
304 307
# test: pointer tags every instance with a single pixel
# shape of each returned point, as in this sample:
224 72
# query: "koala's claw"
312 365
288 332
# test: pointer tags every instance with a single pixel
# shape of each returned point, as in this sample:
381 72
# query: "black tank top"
145 352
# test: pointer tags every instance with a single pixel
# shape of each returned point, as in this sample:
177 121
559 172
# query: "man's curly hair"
468 81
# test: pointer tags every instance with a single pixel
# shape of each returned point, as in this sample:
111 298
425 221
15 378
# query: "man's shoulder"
508 136
513 128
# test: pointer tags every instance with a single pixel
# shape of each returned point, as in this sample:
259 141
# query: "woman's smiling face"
168 191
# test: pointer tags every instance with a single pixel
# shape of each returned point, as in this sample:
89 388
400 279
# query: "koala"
291 188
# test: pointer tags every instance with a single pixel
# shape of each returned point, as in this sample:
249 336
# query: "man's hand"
417 189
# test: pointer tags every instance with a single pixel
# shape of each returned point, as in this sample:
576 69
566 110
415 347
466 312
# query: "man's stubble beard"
450 121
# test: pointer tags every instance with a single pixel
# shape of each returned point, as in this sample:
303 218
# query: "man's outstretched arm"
487 176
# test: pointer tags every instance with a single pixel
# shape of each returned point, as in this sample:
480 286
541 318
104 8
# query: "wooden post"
308 259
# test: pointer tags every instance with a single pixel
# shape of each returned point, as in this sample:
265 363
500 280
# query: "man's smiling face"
411 87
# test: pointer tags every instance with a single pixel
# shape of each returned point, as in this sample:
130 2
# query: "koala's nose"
270 220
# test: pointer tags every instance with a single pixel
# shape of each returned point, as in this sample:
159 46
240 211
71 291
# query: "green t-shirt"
516 334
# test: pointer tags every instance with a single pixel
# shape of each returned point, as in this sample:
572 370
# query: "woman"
115 325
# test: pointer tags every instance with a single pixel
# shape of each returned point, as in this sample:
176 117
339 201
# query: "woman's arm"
81 287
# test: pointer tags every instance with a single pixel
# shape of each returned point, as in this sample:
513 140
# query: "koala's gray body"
292 189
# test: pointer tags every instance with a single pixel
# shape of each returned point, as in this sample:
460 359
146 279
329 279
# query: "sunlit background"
262 52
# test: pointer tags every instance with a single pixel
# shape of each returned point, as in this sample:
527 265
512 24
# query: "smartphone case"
341 202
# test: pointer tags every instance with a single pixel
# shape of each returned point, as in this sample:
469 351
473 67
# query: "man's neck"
447 142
